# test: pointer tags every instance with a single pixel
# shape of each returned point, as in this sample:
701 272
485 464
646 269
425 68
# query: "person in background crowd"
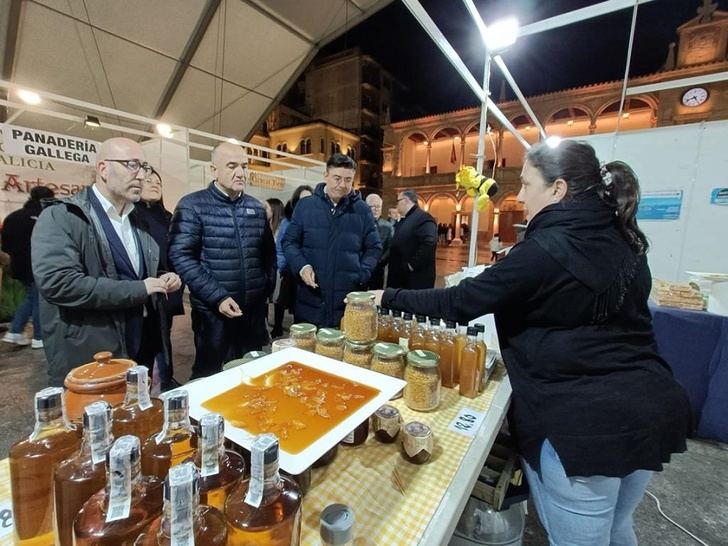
495 246
151 208
385 234
464 231
287 281
450 233
595 409
412 254
393 216
332 244
274 210
222 246
96 266
17 230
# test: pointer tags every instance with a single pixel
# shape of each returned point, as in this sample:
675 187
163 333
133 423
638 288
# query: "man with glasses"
222 246
96 267
332 245
412 253
385 234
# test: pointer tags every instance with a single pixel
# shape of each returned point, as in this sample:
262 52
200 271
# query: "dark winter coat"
17 228
223 248
83 303
342 245
576 335
412 252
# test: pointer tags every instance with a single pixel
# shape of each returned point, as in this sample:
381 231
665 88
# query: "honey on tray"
297 403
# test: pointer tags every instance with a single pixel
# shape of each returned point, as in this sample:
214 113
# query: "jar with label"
360 317
358 354
330 342
357 436
422 391
303 335
386 423
418 442
388 358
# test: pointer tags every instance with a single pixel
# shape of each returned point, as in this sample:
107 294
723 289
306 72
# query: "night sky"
583 53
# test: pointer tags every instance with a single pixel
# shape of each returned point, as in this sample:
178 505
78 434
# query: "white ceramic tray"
715 277
206 388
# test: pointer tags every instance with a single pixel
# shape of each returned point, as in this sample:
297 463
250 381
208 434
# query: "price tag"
6 522
467 421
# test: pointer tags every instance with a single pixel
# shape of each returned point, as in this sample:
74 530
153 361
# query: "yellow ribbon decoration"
476 184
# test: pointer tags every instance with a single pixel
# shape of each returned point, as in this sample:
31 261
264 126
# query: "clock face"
695 96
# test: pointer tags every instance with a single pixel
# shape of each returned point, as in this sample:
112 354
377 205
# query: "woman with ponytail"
595 409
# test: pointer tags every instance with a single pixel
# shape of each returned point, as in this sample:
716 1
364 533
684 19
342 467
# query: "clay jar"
104 379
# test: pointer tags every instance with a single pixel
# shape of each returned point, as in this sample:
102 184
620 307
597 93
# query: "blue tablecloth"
695 344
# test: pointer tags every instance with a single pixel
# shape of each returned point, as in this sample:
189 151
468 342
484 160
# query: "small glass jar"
418 442
280 344
358 354
357 436
388 358
422 391
386 423
327 458
360 317
330 342
303 335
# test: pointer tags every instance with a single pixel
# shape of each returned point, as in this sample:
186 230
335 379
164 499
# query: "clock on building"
695 96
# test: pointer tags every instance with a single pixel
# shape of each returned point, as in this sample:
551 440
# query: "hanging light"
29 97
164 129
502 34
232 140
92 121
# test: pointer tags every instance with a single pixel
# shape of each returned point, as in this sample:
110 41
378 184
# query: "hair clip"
607 178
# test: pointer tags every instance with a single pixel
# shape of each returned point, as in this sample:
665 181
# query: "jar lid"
417 429
104 373
384 311
302 328
387 412
359 297
388 350
337 524
423 359
252 355
359 345
330 335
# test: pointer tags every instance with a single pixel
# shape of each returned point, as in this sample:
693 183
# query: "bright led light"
29 97
502 34
570 122
164 129
233 140
553 141
625 115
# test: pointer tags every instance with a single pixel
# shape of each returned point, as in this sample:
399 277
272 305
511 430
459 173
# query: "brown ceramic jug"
104 379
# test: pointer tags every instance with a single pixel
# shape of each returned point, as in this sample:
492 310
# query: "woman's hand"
377 296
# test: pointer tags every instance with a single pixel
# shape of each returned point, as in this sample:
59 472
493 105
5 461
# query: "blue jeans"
585 511
28 308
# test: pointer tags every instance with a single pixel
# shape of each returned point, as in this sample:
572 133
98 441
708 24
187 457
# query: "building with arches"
424 153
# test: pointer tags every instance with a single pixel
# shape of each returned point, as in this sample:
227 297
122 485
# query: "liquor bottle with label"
220 469
482 353
265 508
84 474
31 468
470 367
139 414
447 355
419 330
118 513
461 339
432 336
185 522
176 442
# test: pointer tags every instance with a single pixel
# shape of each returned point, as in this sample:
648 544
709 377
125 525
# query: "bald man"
386 231
222 246
95 265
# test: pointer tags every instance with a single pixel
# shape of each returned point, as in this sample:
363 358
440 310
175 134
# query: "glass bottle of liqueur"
432 336
384 324
31 468
77 478
397 325
120 511
264 509
177 440
419 329
461 339
470 366
184 521
447 355
482 354
220 469
139 414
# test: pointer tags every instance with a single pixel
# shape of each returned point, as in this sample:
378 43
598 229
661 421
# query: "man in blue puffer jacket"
332 245
222 247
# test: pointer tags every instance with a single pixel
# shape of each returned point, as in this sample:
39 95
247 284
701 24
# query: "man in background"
412 253
386 231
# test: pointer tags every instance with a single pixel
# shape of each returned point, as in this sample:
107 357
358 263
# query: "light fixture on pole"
501 34
29 97
164 129
92 121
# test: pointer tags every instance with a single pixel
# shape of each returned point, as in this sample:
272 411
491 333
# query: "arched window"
333 147
322 147
338 147
302 147
308 145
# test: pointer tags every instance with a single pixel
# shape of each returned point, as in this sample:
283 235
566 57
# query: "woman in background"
283 297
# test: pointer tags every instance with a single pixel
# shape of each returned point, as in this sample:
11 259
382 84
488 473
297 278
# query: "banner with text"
49 146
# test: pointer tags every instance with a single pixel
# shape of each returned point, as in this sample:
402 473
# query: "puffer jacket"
342 245
222 248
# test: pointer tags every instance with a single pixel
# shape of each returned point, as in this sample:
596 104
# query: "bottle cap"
182 477
337 524
49 398
423 359
472 331
407 316
388 350
125 450
383 311
177 399
421 319
480 328
360 297
330 335
450 323
302 329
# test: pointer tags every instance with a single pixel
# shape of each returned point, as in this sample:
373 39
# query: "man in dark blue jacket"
332 245
222 247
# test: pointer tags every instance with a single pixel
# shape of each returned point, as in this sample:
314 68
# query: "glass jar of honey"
422 391
303 335
358 354
360 317
330 342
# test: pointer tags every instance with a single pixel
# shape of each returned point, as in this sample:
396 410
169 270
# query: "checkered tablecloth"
361 477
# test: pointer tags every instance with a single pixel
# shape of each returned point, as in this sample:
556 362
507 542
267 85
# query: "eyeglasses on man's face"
402 199
134 165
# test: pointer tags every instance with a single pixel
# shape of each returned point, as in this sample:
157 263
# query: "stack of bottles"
160 481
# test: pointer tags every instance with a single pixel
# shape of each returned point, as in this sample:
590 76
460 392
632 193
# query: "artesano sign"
42 145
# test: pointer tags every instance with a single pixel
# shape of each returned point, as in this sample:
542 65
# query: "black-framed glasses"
134 165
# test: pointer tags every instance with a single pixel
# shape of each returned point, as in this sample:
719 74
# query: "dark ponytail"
621 190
